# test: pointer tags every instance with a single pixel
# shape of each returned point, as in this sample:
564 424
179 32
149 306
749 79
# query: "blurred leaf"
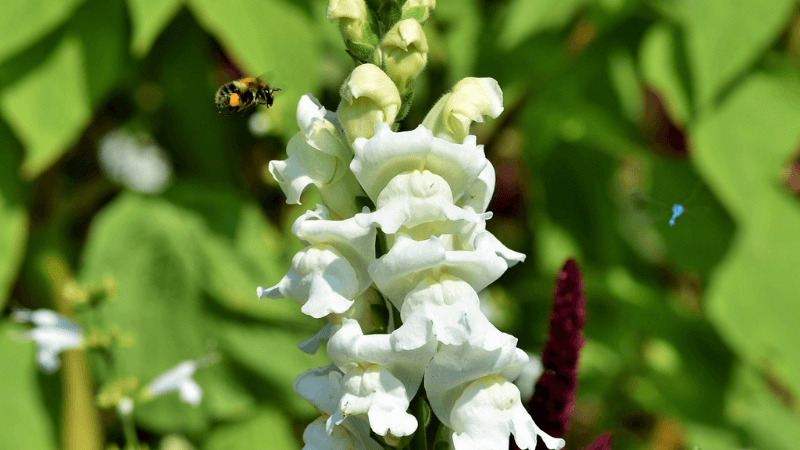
13 214
244 252
52 103
741 149
723 38
224 398
273 354
102 27
149 18
276 37
47 107
267 429
625 81
463 24
754 408
659 61
29 426
524 18
25 21
149 247
706 437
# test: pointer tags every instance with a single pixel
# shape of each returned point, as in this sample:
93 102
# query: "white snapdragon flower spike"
431 188
329 273
177 379
318 155
53 334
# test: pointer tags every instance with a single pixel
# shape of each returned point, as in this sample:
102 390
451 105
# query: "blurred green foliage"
691 329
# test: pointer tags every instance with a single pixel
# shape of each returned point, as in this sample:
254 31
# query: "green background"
692 330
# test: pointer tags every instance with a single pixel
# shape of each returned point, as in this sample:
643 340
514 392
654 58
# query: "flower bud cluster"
392 40
430 188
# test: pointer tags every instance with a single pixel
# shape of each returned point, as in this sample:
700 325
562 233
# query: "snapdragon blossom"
430 188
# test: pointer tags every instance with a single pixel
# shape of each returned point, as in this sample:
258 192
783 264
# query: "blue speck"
677 210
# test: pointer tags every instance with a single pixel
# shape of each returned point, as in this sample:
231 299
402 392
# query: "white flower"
352 434
416 198
469 392
125 406
469 101
526 380
53 334
177 379
379 381
318 155
488 411
327 275
387 154
369 97
352 15
135 161
409 262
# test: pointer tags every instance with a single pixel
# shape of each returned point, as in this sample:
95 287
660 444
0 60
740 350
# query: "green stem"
129 428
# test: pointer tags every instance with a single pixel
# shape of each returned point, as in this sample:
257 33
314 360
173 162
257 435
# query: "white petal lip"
409 262
178 379
379 159
320 279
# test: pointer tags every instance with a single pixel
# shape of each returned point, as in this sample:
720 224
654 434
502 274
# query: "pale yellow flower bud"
470 100
352 15
405 53
368 97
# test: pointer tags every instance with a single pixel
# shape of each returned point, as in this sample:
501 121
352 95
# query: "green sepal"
417 12
390 13
362 53
405 102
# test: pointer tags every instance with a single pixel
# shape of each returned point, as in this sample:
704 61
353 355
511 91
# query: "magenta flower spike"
554 395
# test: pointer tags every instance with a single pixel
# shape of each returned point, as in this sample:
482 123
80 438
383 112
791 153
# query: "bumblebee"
241 95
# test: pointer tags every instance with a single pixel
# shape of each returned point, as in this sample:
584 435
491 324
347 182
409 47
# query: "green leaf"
149 18
148 247
276 37
273 354
30 425
725 37
754 407
660 66
267 429
525 18
464 24
741 149
13 214
48 107
25 21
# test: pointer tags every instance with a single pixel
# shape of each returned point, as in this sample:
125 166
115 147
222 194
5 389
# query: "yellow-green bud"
368 97
470 100
359 32
405 53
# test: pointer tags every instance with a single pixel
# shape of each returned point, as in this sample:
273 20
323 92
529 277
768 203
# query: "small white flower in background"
179 379
526 380
134 161
259 123
125 406
53 334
